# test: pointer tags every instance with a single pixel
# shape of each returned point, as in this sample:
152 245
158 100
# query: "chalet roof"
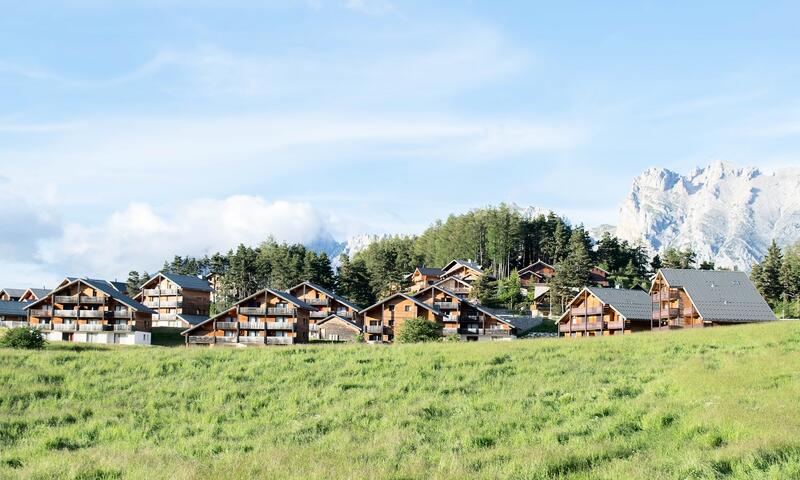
334 316
209 319
104 286
390 297
192 319
520 323
13 292
456 279
721 296
12 308
534 265
631 304
329 293
462 263
38 292
458 299
284 295
430 271
187 282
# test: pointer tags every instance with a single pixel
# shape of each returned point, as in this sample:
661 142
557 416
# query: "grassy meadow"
706 404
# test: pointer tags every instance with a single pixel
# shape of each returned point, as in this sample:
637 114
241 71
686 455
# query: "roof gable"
631 304
328 293
186 282
404 296
342 319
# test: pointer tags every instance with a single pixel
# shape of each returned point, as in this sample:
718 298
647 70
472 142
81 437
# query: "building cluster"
100 311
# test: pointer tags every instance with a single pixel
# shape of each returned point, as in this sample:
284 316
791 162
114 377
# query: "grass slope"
716 403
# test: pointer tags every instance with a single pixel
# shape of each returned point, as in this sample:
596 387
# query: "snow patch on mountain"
726 214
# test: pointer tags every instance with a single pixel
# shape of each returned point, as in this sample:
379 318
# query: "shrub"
419 330
23 337
360 338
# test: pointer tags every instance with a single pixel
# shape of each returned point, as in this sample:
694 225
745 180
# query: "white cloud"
371 7
139 237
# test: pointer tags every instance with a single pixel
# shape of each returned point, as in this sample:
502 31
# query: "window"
391 308
407 308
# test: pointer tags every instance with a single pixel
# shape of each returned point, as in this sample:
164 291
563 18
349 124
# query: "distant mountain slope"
727 214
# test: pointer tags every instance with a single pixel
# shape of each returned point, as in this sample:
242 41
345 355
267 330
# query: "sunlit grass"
715 403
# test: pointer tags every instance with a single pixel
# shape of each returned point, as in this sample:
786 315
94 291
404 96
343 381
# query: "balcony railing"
280 326
226 339
665 296
665 313
204 340
91 327
580 327
581 311
318 302
227 325
461 291
374 328
65 313
349 314
13 324
281 311
279 340
92 300
122 314
452 318
615 325
65 299
496 331
447 305
65 327
689 312
42 326
164 317
252 311
318 314
163 304
158 292
252 325
449 331
313 327
41 313
122 327
92 313
246 339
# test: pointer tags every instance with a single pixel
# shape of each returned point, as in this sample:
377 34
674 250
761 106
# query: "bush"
23 337
360 338
419 330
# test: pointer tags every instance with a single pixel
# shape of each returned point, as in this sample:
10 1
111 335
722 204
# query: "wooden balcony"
450 331
665 296
282 311
158 292
65 313
452 318
461 291
42 326
41 313
349 314
377 329
164 317
226 339
252 340
163 304
580 327
92 327
252 325
122 327
318 314
204 340
620 325
227 325
65 327
92 313
122 314
279 340
665 313
446 305
92 300
288 326
13 324
65 299
318 302
255 311
582 311
689 312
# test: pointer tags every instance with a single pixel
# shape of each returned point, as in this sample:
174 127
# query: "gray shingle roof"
39 292
189 282
192 319
108 289
431 272
332 316
721 296
329 293
14 292
281 294
12 308
631 304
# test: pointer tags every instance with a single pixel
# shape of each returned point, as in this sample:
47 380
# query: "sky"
131 131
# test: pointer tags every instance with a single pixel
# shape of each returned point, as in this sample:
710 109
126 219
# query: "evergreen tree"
484 290
353 281
509 290
771 286
573 272
655 264
675 258
134 282
707 265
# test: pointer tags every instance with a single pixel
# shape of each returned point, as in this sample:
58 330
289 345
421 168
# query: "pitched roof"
14 292
456 279
188 282
721 296
384 300
111 291
430 272
284 295
458 299
331 317
535 264
631 304
38 292
329 293
463 263
209 319
12 308
192 319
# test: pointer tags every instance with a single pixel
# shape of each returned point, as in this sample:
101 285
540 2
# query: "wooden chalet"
269 317
702 298
12 314
90 311
33 294
423 277
466 270
459 287
537 273
598 311
11 294
327 303
383 319
470 321
178 301
335 328
540 306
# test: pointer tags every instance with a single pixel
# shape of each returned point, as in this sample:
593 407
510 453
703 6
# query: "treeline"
501 239
777 277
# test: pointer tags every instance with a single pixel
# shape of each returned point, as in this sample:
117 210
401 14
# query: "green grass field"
715 403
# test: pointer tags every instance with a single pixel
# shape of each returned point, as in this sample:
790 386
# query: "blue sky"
132 130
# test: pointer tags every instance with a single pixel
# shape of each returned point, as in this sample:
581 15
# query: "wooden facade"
338 329
459 287
269 317
423 277
33 294
538 273
385 318
11 294
672 307
327 303
85 310
464 269
469 321
592 314
171 297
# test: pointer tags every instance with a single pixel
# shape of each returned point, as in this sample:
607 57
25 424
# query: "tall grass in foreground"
715 403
